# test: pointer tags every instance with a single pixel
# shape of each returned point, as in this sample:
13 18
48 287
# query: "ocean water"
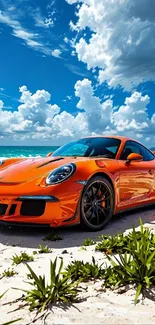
25 151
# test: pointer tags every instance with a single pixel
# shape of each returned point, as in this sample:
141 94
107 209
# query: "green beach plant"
121 243
84 271
82 248
112 244
60 288
43 250
29 276
88 242
136 266
8 273
22 258
2 294
52 237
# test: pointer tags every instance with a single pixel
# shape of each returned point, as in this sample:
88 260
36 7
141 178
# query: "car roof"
108 136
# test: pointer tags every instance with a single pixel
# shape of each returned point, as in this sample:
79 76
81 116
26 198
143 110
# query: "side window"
147 155
134 147
130 147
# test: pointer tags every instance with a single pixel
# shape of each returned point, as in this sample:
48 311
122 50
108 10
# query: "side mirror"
134 157
49 154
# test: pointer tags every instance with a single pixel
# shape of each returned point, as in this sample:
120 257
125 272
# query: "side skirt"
146 205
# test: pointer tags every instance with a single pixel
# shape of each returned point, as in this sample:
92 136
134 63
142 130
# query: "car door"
137 178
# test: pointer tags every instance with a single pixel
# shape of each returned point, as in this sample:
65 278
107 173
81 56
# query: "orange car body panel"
133 186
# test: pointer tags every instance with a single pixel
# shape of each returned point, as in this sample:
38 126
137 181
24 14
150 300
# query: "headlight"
2 161
60 174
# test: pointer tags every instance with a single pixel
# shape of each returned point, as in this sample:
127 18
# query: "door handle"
151 171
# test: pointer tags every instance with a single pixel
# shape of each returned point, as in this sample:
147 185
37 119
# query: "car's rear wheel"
97 203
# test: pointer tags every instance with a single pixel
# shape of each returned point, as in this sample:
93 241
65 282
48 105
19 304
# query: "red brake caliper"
102 204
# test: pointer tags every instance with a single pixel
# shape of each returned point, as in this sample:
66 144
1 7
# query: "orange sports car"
84 181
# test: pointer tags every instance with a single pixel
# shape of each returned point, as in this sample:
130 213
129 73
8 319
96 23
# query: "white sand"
97 307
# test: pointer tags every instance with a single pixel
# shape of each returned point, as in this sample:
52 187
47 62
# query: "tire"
97 204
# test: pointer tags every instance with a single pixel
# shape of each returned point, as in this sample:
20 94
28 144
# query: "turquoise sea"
25 151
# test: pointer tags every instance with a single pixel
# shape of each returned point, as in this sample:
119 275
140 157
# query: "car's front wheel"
97 203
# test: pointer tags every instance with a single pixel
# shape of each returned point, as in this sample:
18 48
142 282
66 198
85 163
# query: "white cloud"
72 26
1 104
133 114
12 8
43 22
72 1
28 37
31 39
19 31
122 43
37 119
130 119
35 107
31 114
46 20
66 40
68 98
76 70
98 115
56 53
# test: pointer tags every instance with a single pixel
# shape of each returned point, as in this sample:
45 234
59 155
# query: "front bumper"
54 210
30 209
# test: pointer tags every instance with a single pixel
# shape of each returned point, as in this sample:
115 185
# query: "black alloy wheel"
97 203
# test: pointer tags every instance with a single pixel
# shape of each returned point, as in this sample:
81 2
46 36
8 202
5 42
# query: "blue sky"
23 65
70 68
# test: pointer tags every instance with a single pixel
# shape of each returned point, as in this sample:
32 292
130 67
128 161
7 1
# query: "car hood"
23 170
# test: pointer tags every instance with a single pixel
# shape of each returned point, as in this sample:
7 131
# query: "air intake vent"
3 208
12 209
34 208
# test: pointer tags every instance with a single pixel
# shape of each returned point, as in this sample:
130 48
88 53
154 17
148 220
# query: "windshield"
90 147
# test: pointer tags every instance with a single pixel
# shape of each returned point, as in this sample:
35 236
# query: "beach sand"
97 307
